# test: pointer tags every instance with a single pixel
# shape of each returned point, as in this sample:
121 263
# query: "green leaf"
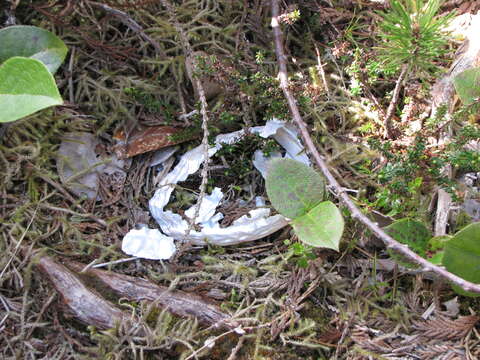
26 86
411 233
32 42
292 187
436 248
467 84
462 256
320 227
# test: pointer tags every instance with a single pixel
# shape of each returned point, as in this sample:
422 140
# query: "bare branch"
334 185
389 130
187 48
132 24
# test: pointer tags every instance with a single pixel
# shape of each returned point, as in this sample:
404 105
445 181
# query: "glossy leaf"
322 226
32 42
293 188
467 84
462 256
26 86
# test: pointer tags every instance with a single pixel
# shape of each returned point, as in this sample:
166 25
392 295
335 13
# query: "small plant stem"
389 130
187 48
236 349
209 343
390 242
322 72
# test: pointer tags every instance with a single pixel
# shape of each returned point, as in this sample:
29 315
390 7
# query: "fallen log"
86 305
92 309
177 302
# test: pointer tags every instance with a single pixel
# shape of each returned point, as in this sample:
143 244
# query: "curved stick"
334 185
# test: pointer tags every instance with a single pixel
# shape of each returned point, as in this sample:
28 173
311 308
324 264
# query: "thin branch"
322 72
187 48
334 185
389 130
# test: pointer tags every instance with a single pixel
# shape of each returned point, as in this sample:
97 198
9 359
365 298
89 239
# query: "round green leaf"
467 84
26 86
462 256
320 227
292 187
32 42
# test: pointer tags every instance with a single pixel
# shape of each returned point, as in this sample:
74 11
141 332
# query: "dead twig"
322 72
334 185
389 130
187 48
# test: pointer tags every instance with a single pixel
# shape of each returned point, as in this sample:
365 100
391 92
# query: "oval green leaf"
322 226
32 42
467 84
293 188
411 233
462 256
26 86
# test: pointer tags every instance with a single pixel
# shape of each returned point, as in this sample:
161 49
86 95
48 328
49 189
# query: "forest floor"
283 300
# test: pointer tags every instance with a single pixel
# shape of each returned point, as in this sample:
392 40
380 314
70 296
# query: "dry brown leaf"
145 139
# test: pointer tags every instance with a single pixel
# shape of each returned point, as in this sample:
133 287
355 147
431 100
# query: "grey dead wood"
177 302
86 305
91 308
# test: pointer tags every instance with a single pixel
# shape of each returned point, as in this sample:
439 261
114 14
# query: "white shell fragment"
255 225
148 244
